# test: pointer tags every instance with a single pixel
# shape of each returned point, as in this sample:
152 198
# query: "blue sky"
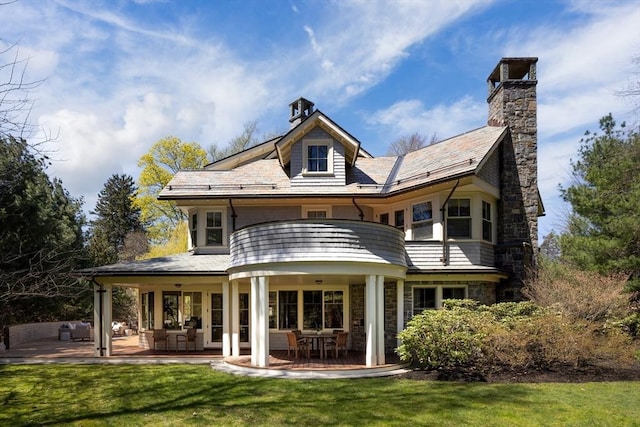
119 75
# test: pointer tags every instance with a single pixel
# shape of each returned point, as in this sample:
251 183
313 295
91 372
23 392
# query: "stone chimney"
512 103
300 109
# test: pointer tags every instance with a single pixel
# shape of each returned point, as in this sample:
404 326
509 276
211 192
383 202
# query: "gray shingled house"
309 231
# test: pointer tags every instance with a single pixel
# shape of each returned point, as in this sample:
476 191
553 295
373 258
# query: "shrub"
444 339
579 294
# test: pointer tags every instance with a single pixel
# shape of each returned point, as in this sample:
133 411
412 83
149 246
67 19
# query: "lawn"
178 395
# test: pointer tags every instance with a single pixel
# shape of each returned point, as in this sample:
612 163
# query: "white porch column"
235 319
226 336
102 300
400 314
370 321
380 360
259 321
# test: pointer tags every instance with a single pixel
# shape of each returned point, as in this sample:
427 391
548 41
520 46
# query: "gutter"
444 260
353 200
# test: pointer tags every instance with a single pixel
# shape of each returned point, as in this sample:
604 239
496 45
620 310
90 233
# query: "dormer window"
318 157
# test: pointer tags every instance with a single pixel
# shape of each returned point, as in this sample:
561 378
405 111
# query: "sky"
119 75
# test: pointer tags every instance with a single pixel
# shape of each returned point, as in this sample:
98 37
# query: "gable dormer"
316 151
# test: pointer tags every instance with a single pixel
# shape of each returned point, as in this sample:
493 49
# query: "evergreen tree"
116 218
41 238
604 231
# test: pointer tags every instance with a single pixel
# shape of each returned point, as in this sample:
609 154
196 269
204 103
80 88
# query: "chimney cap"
514 68
300 109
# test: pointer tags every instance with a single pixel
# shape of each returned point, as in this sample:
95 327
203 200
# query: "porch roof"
182 264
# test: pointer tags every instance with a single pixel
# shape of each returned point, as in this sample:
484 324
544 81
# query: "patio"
126 350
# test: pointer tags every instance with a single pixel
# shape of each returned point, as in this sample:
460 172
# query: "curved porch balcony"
317 241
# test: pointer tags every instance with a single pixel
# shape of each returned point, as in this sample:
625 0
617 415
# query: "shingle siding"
339 164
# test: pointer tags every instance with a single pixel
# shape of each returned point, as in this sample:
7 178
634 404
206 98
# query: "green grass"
179 395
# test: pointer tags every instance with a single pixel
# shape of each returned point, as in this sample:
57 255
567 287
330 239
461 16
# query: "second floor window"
459 218
317 158
214 228
487 227
194 230
422 221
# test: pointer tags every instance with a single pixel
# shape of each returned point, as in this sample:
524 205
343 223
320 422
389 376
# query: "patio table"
318 340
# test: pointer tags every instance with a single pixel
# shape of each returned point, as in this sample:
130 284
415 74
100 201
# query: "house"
309 231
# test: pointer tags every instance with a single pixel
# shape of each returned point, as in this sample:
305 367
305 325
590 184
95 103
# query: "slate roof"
454 157
174 265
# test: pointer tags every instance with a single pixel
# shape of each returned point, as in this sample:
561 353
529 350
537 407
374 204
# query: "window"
214 228
146 309
170 304
333 310
384 218
318 157
273 310
398 216
316 212
459 218
216 317
194 230
422 221
487 227
312 310
244 317
429 298
288 310
192 309
423 299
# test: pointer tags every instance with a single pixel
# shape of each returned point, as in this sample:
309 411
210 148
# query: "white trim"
201 230
438 289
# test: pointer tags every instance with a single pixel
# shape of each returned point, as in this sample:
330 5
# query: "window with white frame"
147 309
422 221
213 229
316 212
487 225
306 309
192 309
398 219
318 157
459 218
431 297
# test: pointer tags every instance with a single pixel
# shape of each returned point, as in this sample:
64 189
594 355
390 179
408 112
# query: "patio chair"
159 336
296 344
81 332
339 344
189 337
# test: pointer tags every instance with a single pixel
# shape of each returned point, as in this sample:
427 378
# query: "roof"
455 157
180 264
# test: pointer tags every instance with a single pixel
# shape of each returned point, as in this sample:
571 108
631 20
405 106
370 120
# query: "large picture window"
170 304
422 221
459 218
318 309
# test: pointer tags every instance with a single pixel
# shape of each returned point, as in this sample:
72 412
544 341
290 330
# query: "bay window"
459 218
422 221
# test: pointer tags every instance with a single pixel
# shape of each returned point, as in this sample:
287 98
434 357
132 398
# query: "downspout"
443 210
233 215
100 291
353 200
